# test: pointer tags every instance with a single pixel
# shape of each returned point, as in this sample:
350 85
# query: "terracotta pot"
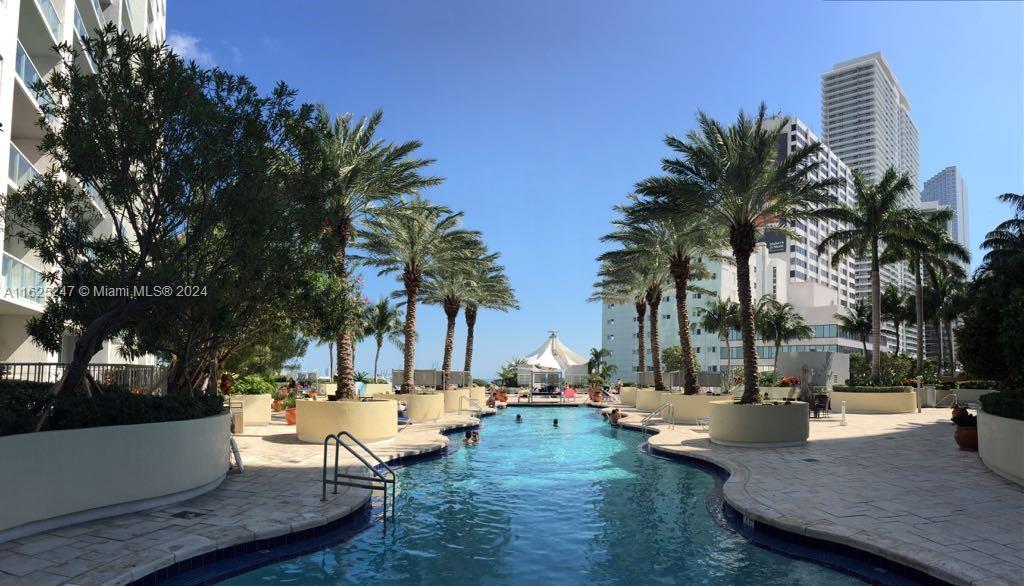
966 438
289 418
276 405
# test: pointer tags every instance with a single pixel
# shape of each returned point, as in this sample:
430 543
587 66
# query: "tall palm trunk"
864 344
896 324
876 318
376 357
409 351
948 333
681 275
742 246
330 360
937 326
775 362
919 310
451 311
470 326
654 301
346 359
727 375
641 367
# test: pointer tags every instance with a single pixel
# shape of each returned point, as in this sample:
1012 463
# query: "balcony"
20 170
49 14
83 33
22 282
29 76
126 17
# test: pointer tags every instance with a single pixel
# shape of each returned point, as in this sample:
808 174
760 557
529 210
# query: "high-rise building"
866 122
948 189
29 29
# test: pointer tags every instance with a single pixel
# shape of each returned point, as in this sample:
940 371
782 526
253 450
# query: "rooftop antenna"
554 333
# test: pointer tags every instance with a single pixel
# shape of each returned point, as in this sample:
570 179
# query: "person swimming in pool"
554 423
616 416
519 418
469 438
476 437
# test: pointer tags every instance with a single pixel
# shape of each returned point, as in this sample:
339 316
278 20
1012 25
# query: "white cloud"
188 47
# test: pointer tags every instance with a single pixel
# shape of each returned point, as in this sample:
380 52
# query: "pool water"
534 504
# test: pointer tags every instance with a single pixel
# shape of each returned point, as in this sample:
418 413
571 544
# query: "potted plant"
288 403
958 410
966 434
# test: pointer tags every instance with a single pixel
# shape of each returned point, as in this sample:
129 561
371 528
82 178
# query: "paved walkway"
278 494
893 485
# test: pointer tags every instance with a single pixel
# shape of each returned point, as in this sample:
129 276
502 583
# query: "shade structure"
554 355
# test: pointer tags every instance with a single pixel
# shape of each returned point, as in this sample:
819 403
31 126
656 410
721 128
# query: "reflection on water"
534 504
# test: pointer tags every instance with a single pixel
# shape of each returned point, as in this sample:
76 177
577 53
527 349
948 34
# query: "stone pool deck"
892 485
278 494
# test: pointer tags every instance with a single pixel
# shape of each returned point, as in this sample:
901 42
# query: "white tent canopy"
554 355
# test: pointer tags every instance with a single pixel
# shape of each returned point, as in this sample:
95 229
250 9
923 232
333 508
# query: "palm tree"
736 177
1006 242
722 316
780 323
625 284
931 249
362 174
946 289
510 371
596 361
490 290
894 304
857 321
448 287
882 216
415 240
648 265
683 241
384 322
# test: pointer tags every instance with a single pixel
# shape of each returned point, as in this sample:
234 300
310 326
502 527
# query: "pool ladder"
474 405
381 475
645 423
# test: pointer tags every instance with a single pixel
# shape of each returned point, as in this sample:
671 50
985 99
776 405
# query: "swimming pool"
543 505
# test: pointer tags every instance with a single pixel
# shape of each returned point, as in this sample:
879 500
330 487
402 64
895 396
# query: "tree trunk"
654 301
919 310
681 275
876 318
742 246
775 363
948 333
451 311
346 359
641 310
376 358
470 316
330 363
864 344
411 290
896 325
936 325
727 377
88 344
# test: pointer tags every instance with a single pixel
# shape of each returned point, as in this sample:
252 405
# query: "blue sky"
543 114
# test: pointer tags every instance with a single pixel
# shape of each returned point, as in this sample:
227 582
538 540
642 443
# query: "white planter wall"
1001 445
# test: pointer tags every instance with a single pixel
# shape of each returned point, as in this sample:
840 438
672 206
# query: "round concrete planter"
453 399
369 421
689 408
759 426
479 394
56 478
779 393
649 399
875 403
255 408
627 396
423 406
1001 445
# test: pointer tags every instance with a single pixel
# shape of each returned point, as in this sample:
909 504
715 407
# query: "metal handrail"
472 403
645 422
379 480
953 395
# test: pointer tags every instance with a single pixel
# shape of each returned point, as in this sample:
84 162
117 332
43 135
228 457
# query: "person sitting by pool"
490 401
519 418
554 423
616 416
469 438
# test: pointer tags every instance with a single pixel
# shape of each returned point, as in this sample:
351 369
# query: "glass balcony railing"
20 170
29 75
126 15
50 16
98 10
22 281
83 33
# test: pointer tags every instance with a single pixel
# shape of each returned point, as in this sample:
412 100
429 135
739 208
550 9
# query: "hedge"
860 389
1008 404
21 403
253 384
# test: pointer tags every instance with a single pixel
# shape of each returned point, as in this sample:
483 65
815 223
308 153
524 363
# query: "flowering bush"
790 381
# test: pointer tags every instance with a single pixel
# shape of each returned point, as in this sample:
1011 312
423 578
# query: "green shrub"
253 384
965 419
1008 404
288 402
22 402
978 384
477 382
628 384
869 389
893 370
